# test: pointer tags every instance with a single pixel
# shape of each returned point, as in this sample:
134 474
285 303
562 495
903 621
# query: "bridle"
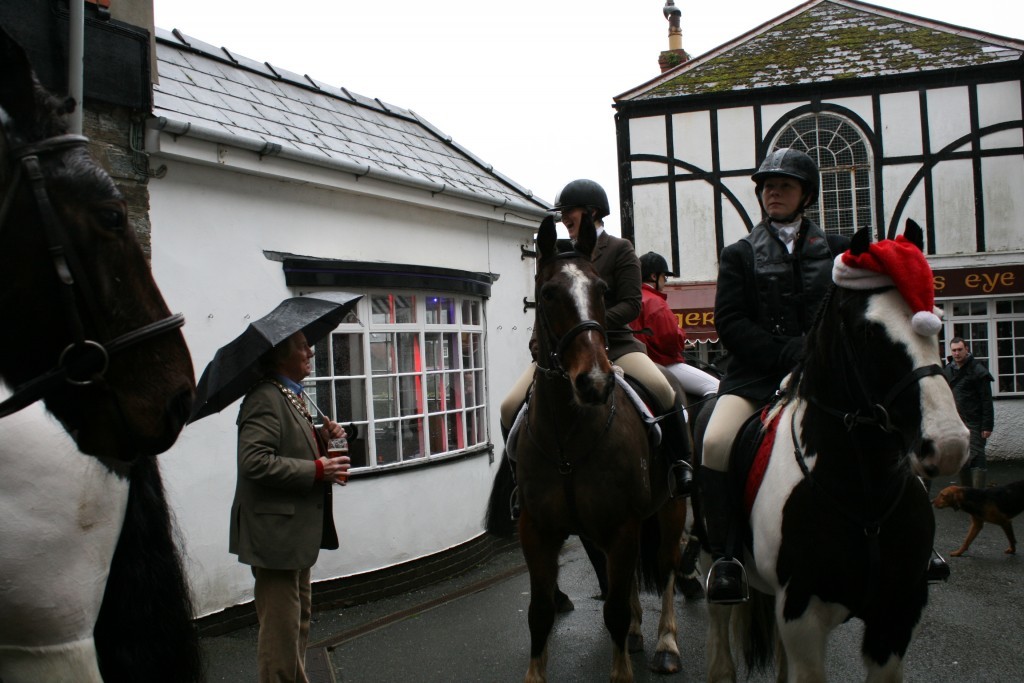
878 413
559 344
84 361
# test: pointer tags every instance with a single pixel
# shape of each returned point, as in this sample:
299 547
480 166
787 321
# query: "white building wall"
901 124
696 219
691 138
949 116
1004 205
210 228
736 146
953 189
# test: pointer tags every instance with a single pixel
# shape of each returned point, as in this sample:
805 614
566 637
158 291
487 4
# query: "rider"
617 264
770 284
657 328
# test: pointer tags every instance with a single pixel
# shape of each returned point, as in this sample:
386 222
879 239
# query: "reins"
84 361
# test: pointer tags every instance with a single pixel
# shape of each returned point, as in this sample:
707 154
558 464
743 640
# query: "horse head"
889 362
570 315
85 327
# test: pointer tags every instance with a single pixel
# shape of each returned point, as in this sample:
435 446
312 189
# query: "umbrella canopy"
235 367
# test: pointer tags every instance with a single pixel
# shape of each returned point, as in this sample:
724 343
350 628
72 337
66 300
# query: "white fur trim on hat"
926 323
858 278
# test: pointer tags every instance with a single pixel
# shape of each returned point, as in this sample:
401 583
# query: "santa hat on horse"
900 263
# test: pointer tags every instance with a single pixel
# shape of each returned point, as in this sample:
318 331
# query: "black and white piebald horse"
840 524
95 381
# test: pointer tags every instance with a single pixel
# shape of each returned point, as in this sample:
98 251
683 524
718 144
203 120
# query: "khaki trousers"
283 606
637 365
730 413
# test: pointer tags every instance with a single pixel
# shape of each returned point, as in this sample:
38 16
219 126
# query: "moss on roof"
831 41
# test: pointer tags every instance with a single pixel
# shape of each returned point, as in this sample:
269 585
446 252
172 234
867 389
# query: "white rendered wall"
210 229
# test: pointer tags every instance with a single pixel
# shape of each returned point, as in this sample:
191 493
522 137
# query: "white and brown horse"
584 466
840 525
91 583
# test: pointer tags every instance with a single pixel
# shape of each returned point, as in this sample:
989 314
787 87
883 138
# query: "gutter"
360 170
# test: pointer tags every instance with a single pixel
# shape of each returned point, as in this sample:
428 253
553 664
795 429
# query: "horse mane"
812 346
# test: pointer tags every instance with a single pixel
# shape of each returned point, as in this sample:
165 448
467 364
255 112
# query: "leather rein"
84 361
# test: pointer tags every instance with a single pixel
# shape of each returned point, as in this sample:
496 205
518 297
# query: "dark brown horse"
585 465
86 333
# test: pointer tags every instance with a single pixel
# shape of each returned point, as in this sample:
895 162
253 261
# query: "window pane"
393 309
412 404
455 440
438 443
470 312
436 397
382 353
350 400
412 439
347 353
385 398
440 310
386 442
408 351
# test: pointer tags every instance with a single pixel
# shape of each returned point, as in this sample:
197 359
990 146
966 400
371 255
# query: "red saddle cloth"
760 464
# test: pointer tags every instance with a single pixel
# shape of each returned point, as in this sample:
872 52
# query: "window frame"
464 426
953 324
857 174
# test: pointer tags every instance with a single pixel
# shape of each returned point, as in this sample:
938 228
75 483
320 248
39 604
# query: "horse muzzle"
593 387
945 453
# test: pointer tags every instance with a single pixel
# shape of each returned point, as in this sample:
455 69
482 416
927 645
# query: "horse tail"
498 518
660 536
753 625
146 630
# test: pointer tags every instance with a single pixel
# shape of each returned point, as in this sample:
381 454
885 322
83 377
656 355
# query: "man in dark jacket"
770 284
971 382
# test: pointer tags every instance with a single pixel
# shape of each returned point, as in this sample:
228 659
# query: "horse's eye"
112 219
548 292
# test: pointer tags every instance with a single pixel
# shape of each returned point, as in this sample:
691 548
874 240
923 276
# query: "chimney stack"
675 54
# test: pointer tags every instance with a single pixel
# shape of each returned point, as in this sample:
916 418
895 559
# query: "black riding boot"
679 450
726 580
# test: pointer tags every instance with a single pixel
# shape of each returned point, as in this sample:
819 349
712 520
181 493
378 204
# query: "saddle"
751 452
633 389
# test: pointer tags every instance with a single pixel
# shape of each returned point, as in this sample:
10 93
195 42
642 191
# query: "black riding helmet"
652 263
790 163
585 193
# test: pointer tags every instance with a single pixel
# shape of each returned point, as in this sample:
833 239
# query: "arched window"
839 148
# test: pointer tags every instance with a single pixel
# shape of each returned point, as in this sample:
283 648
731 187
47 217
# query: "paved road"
473 628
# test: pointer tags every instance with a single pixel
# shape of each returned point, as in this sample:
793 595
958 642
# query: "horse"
585 466
840 525
95 381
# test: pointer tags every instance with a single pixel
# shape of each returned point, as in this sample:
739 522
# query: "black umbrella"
235 367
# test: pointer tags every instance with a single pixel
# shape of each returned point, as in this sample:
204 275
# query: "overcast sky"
526 85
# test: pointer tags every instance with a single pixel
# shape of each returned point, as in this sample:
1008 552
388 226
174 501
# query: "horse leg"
719 657
635 639
805 638
622 556
541 553
672 523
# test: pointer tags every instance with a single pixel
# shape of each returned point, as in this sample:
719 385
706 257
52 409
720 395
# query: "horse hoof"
562 603
635 643
666 662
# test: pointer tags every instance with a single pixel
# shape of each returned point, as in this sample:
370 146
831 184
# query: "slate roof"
829 40
214 93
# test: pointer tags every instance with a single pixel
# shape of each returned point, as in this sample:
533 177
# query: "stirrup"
674 480
744 593
938 569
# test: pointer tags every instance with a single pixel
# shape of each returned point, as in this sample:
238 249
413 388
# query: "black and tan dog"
995 505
